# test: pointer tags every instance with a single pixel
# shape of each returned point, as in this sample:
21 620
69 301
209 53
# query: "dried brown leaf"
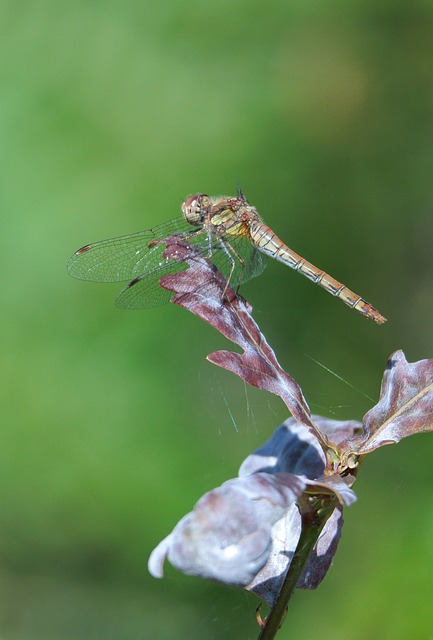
200 290
405 405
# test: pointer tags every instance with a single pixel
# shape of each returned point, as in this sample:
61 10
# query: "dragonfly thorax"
195 208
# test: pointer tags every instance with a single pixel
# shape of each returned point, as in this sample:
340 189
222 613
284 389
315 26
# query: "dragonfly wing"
126 257
139 259
248 261
145 291
255 261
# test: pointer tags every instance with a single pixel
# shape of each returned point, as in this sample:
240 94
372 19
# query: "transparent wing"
136 257
248 260
145 292
126 257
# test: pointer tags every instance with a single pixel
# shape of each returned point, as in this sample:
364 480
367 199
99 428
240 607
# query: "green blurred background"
113 423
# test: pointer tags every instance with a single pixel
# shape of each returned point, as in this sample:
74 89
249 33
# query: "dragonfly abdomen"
268 242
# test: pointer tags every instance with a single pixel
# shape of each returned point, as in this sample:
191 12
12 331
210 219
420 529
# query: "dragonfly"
227 230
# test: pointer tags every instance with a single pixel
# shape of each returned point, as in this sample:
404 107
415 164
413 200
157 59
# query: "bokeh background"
113 424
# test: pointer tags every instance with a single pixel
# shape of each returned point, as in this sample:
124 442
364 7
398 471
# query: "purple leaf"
267 583
405 405
293 449
324 552
245 532
228 535
203 290
285 535
336 485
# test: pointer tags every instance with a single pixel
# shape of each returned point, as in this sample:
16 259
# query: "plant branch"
314 513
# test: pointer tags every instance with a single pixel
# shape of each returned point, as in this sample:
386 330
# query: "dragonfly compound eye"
194 208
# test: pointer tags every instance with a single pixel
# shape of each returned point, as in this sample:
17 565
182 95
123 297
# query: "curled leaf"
245 532
293 449
405 405
228 535
321 558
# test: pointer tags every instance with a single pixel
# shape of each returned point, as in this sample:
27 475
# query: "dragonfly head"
195 208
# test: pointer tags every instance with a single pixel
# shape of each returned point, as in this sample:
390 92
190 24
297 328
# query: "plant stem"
314 514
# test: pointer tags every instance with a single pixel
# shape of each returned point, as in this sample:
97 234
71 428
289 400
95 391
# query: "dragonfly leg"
232 255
